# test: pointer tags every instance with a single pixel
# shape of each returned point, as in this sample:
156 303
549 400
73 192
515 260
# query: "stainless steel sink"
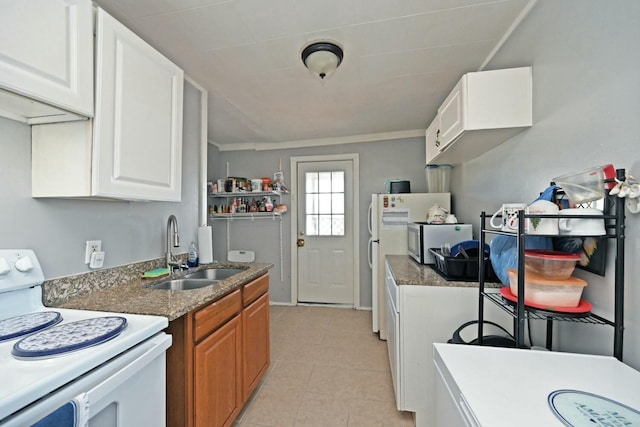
183 284
214 273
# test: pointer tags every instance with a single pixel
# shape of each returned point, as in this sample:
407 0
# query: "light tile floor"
327 369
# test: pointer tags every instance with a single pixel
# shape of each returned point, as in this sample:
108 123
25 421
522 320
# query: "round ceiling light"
322 58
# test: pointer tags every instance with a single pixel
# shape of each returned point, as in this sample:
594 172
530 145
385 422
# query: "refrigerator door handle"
369 213
369 252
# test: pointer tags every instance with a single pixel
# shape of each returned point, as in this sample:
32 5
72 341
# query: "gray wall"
585 60
57 229
402 159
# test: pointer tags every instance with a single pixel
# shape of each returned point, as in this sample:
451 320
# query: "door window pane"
325 203
337 225
312 204
337 182
312 225
312 183
324 182
325 225
337 203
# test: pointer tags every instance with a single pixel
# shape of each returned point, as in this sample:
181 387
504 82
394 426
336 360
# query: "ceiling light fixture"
322 58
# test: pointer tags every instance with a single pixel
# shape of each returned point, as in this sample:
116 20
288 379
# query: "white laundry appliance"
503 387
389 215
109 368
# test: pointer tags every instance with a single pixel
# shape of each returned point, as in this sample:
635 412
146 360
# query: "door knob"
300 243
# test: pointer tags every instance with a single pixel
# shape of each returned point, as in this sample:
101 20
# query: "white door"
325 232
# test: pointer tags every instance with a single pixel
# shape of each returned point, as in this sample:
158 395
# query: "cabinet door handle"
438 138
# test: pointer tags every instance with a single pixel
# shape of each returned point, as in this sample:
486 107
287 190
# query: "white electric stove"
117 379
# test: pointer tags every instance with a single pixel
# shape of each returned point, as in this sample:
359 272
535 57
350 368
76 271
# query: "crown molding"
371 137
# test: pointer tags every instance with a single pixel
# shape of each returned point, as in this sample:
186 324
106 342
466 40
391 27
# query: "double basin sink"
197 280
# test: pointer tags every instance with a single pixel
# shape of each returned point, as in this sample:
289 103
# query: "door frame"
355 161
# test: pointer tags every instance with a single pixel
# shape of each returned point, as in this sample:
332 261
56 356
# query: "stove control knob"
24 264
4 266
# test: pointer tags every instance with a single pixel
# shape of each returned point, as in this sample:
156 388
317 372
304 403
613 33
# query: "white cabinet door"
432 137
137 147
451 115
46 52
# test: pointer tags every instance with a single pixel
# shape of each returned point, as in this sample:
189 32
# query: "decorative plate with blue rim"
69 337
27 323
577 408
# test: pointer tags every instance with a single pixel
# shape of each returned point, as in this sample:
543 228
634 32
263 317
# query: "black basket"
462 268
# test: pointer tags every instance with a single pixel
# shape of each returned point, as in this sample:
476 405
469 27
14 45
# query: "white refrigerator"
389 215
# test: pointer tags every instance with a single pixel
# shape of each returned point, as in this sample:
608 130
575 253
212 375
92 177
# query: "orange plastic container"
543 291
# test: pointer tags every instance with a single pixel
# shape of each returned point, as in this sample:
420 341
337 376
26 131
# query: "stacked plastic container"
548 279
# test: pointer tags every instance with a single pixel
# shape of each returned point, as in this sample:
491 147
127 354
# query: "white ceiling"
401 59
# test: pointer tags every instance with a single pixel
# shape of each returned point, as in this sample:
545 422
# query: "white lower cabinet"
132 150
483 110
46 60
426 315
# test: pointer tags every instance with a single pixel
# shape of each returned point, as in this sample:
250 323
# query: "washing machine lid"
577 408
25 324
69 337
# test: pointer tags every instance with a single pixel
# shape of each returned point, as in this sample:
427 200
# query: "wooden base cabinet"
219 355
218 393
255 344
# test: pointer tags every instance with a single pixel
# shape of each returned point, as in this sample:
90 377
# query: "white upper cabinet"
46 60
132 150
138 136
483 110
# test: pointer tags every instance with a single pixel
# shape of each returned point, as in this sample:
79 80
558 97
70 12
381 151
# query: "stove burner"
69 337
26 324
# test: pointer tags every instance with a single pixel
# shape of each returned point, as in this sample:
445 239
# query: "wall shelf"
246 194
248 215
229 218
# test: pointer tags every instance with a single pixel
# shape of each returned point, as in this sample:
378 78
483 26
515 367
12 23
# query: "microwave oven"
423 236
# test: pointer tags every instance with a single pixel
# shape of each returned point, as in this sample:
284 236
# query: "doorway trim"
355 160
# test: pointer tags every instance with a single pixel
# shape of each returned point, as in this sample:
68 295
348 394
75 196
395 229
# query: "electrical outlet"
90 247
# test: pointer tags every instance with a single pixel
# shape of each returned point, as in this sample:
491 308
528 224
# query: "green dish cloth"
156 273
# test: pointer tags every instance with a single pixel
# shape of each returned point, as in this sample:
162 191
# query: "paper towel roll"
205 244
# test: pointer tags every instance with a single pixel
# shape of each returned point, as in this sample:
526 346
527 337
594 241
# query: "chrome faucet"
172 236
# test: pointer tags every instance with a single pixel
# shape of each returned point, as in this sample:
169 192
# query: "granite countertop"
136 298
408 272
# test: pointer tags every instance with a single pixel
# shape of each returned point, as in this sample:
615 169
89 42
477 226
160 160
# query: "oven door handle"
157 345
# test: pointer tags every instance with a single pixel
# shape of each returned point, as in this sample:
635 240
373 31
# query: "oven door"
414 242
127 391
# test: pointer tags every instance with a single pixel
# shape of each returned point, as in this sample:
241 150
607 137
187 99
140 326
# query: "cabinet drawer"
253 290
216 314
